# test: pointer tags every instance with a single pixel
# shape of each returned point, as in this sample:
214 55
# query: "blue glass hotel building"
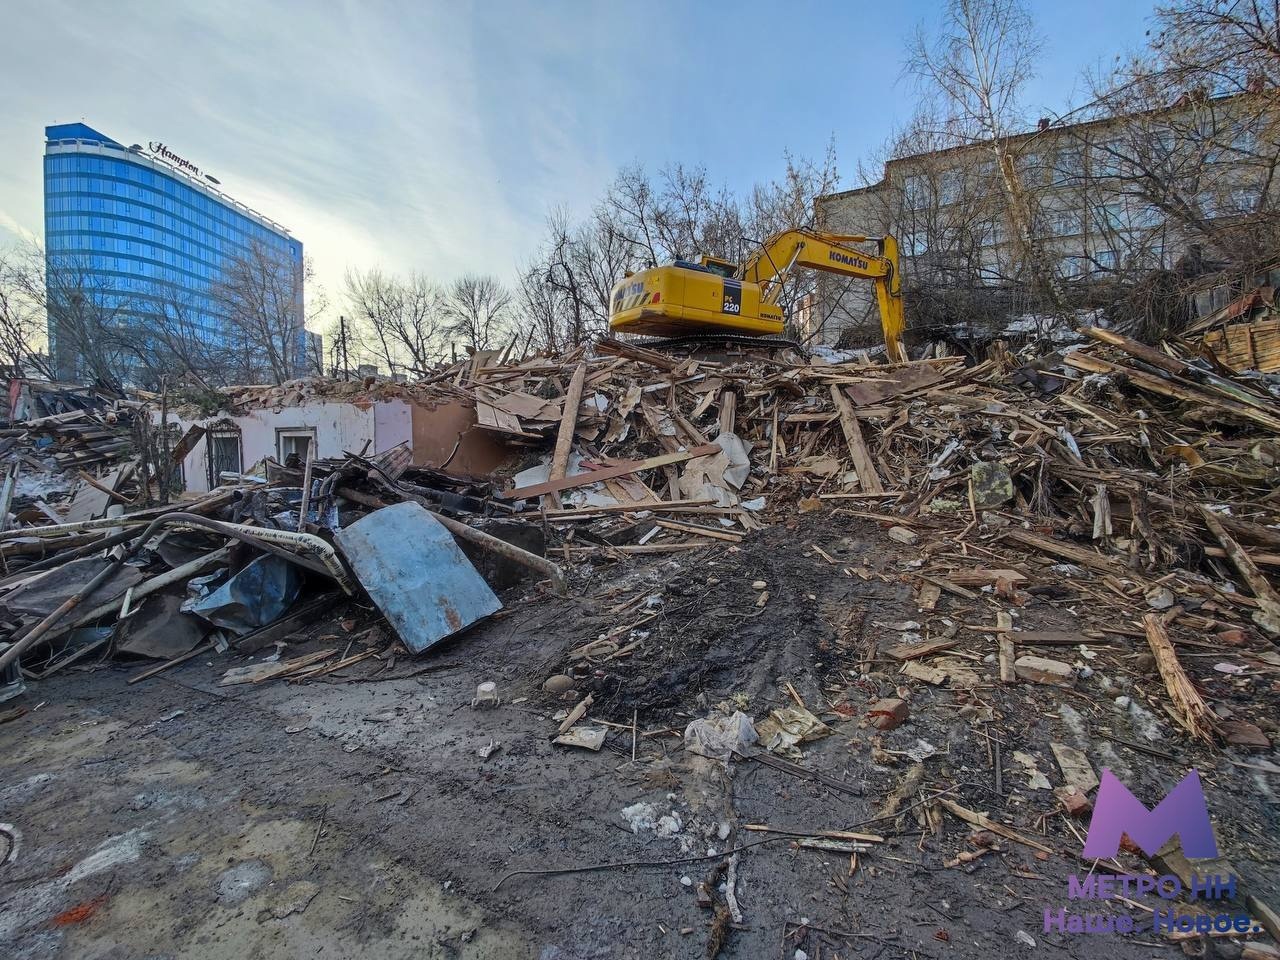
149 228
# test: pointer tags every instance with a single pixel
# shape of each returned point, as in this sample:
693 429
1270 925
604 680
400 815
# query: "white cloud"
367 130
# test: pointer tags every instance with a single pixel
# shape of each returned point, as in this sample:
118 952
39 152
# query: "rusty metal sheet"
416 574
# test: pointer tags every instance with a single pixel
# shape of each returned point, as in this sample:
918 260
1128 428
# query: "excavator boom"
689 298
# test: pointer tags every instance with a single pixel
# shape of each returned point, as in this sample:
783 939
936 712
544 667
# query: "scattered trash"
888 714
641 817
922 751
719 737
589 738
486 696
784 730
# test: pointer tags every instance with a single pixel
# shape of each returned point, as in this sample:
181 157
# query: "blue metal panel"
412 569
75 131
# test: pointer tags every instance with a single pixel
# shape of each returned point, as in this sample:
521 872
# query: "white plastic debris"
486 695
717 738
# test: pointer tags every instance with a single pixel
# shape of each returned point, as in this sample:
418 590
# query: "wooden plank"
944 584
728 409
190 655
298 617
1004 622
1067 551
608 473
985 577
861 456
638 548
1048 638
877 391
700 531
640 506
1076 769
1174 390
119 498
914 651
186 444
1135 349
1265 559
564 438
1267 615
260 672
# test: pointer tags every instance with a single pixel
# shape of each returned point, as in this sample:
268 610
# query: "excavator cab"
721 268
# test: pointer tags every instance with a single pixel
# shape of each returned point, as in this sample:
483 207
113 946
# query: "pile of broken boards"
250 566
1128 479
68 453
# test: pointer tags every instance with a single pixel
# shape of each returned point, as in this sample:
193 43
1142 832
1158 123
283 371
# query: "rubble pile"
1120 472
69 452
944 584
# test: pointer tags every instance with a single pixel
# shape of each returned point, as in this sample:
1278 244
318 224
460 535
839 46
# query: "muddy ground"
354 815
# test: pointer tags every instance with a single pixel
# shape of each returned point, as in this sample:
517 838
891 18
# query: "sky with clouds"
436 136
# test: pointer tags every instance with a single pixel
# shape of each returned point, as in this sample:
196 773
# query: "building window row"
231 227
131 172
120 236
86 261
113 239
137 298
157 220
79 242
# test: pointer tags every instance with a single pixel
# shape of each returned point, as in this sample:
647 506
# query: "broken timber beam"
608 473
858 452
1192 712
564 439
1267 615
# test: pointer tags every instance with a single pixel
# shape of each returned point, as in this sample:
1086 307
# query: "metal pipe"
73 554
109 523
306 486
266 538
80 526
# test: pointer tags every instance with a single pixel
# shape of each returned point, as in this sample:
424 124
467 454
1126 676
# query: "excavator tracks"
693 341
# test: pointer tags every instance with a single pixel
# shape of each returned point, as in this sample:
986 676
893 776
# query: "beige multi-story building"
1179 189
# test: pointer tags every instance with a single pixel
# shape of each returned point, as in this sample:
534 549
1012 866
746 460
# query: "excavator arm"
833 253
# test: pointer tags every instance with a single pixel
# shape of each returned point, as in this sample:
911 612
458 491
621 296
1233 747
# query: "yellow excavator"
715 296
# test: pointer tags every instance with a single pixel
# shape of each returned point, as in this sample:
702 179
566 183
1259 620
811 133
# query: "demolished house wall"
338 427
436 434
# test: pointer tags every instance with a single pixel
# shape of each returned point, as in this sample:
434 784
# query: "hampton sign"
164 153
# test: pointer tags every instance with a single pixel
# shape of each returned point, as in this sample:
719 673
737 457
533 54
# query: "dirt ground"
355 815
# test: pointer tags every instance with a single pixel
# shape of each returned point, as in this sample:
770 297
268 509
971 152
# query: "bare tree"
261 297
403 319
1177 171
92 333
975 73
22 321
644 220
477 311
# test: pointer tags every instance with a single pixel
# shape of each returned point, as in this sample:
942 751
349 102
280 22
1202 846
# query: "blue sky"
436 136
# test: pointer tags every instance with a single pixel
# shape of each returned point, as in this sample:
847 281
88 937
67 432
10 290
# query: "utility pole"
342 347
